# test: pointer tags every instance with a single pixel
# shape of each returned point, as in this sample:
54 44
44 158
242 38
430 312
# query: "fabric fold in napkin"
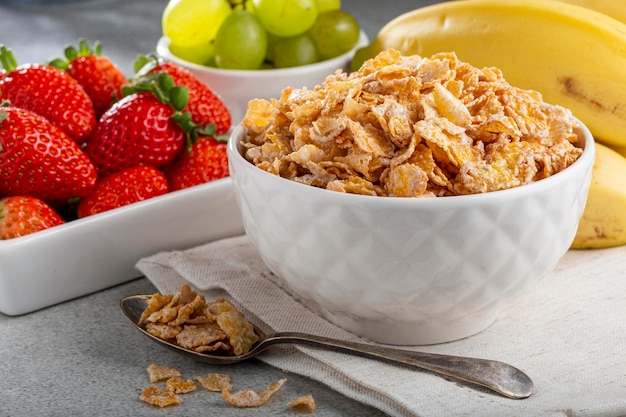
567 332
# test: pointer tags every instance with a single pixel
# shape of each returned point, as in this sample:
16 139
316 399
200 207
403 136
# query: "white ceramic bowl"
410 271
99 251
237 87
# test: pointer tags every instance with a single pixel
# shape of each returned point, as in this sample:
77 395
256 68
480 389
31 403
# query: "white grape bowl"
237 87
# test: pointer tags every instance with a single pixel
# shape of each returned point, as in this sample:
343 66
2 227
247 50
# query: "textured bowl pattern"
410 271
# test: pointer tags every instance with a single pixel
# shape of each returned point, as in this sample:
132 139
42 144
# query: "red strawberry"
23 215
122 188
204 161
204 105
146 127
39 159
99 77
48 92
137 130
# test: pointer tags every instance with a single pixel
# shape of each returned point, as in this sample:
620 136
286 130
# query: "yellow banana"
603 223
620 150
574 56
613 8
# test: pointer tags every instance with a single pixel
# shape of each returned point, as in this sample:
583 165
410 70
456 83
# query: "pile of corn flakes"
176 385
408 126
189 321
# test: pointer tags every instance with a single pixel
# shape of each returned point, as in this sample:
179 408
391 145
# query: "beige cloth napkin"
567 331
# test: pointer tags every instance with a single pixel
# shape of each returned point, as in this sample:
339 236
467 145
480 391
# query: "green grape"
191 26
295 51
241 42
335 32
286 17
193 23
198 54
271 43
360 56
323 5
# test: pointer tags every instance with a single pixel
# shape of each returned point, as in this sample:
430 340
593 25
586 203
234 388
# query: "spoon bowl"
497 376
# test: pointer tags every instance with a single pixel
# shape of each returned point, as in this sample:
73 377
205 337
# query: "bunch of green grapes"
254 34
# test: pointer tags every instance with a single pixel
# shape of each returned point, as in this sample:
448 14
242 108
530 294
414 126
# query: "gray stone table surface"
81 357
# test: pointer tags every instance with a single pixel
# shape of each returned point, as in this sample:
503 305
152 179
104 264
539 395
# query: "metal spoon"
497 376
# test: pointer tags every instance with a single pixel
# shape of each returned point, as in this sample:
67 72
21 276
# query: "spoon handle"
497 376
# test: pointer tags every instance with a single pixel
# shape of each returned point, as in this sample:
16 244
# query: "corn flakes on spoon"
494 375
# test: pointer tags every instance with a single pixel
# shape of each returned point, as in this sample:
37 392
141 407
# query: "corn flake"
163 331
158 397
251 398
195 335
158 373
240 332
156 303
179 385
305 404
215 382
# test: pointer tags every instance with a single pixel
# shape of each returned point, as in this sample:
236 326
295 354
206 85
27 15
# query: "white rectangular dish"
96 252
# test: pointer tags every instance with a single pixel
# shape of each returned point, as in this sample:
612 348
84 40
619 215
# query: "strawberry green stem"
161 84
9 63
72 52
144 64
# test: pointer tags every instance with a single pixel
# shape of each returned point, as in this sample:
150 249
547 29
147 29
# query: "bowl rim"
587 158
121 212
162 50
